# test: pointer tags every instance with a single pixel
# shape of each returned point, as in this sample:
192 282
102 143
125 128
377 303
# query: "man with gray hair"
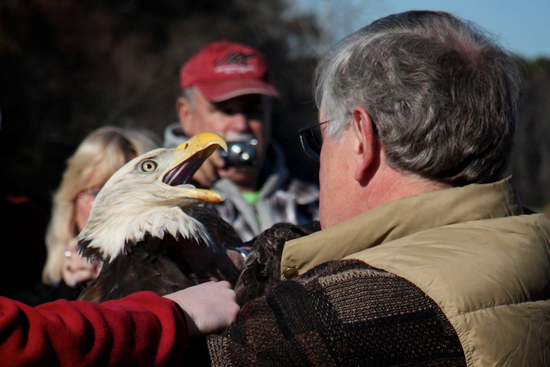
426 256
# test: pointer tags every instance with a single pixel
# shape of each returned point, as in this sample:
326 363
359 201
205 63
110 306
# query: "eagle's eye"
148 166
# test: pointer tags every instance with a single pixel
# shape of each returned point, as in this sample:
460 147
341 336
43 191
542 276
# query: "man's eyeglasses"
312 140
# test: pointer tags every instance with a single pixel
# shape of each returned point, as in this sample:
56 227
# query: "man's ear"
365 144
183 109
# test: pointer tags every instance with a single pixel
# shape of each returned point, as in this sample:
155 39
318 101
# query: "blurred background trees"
530 164
70 66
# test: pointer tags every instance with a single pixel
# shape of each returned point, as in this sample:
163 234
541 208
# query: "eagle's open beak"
193 154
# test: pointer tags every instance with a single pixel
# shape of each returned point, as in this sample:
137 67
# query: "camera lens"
241 153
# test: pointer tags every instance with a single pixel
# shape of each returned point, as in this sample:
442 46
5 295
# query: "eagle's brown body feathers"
157 265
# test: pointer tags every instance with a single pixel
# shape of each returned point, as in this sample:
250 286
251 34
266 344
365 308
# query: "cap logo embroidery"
235 62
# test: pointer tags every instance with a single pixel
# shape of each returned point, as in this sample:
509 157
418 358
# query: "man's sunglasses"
312 140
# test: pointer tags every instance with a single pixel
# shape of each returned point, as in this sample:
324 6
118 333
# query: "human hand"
76 269
208 307
207 174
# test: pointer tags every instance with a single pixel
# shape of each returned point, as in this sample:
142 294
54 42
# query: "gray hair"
442 95
190 94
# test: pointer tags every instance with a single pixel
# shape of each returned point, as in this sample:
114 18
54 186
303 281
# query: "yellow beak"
196 150
203 142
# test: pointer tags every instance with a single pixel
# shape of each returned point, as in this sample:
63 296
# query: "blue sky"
521 26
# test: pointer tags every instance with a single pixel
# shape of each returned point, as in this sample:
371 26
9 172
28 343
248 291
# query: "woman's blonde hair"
99 155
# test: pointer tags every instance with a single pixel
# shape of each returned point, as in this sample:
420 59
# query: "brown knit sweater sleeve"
341 313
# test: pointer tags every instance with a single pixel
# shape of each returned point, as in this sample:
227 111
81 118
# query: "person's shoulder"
306 191
173 135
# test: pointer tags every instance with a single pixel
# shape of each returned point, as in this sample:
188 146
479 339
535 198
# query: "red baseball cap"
224 70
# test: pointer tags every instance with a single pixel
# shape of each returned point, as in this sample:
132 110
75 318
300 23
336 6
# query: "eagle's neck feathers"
104 232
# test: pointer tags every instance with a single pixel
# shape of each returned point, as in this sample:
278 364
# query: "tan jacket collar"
398 219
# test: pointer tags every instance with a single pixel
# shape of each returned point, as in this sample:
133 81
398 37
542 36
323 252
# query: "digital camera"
241 153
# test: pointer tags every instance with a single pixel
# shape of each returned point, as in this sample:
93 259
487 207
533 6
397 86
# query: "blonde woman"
99 155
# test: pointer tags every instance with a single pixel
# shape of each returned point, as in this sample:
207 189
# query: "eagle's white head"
149 196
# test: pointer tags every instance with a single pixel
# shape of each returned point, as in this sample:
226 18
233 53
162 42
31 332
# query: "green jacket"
470 249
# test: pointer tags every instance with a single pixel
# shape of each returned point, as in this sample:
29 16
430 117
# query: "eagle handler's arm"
142 329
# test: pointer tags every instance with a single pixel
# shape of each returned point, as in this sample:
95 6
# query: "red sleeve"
140 329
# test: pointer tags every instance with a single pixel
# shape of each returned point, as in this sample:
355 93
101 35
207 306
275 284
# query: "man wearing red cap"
226 90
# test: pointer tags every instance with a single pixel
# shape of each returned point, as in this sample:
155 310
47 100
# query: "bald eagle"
145 218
